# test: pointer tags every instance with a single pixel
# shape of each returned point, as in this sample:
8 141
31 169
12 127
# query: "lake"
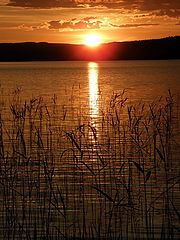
86 81
89 150
142 79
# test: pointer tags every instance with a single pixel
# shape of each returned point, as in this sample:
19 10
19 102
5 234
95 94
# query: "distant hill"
165 48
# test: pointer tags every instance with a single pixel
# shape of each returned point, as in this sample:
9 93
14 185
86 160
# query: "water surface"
81 167
142 78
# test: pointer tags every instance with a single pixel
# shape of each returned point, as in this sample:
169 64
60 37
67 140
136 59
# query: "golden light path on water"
93 90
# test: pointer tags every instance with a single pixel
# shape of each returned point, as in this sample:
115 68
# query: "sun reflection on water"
93 90
93 105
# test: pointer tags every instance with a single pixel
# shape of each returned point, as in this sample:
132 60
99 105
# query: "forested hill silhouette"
165 48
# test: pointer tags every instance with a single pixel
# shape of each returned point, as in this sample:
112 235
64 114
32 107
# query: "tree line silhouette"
165 48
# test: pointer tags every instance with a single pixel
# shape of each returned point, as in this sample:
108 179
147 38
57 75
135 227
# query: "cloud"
85 23
29 28
174 13
71 3
67 3
25 28
42 3
134 25
91 23
170 8
4 2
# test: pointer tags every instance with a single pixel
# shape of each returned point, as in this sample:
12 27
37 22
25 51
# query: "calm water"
85 81
142 79
115 178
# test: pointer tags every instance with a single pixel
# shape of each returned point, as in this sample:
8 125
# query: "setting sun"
93 40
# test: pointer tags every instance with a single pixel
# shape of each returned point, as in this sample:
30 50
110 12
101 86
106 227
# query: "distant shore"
154 49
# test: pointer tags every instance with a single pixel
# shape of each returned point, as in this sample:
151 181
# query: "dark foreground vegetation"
113 178
166 48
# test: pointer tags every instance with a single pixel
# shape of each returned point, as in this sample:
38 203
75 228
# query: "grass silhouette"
116 178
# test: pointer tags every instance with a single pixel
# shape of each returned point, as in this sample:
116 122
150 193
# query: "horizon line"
149 39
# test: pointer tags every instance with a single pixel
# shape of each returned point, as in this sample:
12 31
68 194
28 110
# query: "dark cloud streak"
169 8
44 4
85 23
134 25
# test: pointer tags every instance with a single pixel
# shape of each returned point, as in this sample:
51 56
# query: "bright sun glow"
93 40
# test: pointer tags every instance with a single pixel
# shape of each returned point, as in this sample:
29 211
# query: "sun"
93 40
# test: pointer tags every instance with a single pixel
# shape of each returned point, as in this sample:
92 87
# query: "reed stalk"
67 176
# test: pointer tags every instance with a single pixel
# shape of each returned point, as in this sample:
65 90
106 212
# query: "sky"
69 21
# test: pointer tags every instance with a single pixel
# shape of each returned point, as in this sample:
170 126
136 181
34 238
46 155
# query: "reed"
67 176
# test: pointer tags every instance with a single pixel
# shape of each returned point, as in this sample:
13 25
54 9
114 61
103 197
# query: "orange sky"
67 21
